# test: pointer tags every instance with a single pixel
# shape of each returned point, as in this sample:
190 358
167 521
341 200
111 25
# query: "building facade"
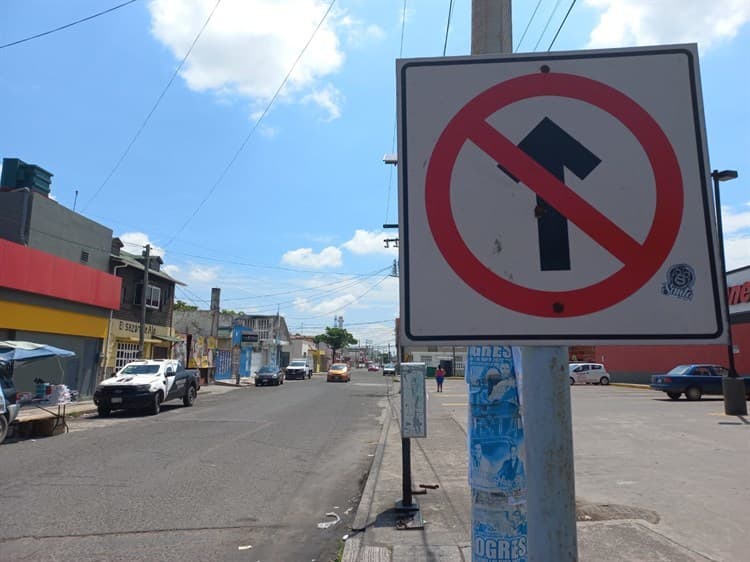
55 286
637 363
160 341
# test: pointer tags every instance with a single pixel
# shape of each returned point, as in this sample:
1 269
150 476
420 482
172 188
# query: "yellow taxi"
338 372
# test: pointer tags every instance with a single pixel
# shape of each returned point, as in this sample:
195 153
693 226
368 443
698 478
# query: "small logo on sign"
680 281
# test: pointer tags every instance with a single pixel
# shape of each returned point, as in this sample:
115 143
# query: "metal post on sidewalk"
733 387
546 426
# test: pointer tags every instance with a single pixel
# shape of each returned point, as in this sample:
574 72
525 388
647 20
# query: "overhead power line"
528 25
255 127
573 3
67 25
153 108
395 122
546 25
448 26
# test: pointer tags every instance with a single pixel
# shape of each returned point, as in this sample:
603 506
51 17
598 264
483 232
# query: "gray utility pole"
215 308
547 421
144 291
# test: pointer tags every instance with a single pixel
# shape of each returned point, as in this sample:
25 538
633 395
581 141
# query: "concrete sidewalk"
604 533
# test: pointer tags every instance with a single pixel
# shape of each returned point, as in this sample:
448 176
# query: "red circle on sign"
642 261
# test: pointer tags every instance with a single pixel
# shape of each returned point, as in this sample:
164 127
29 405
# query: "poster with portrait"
497 473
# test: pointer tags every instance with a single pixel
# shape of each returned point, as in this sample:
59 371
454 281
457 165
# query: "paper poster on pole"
413 400
497 474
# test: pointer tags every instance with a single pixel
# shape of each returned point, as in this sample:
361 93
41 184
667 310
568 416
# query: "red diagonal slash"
566 201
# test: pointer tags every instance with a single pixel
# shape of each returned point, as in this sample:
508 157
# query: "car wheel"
156 404
3 427
103 411
693 393
572 381
189 398
604 381
674 395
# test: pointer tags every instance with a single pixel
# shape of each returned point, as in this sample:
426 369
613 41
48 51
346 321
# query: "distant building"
55 284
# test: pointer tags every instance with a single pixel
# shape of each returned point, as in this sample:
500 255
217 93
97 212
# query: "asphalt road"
677 468
246 474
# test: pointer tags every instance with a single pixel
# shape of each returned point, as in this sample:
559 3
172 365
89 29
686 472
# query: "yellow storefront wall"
30 318
125 331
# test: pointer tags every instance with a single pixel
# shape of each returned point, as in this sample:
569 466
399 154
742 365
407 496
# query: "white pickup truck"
299 369
146 384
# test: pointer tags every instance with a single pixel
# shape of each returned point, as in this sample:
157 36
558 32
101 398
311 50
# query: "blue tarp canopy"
11 350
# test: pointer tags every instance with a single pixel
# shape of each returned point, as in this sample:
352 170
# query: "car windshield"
297 364
679 370
266 370
338 366
140 370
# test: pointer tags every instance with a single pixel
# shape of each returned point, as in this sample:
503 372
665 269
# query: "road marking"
455 403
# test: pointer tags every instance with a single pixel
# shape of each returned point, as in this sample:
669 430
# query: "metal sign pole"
547 422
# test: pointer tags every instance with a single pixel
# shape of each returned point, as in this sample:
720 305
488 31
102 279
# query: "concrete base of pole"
734 396
548 433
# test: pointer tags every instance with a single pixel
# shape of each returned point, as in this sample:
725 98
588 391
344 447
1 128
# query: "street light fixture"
733 387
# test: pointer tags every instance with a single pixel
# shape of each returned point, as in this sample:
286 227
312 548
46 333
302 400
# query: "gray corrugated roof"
131 261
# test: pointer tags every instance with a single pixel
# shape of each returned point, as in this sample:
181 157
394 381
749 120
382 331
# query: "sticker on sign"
560 198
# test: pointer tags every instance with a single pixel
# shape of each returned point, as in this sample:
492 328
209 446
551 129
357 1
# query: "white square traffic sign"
559 198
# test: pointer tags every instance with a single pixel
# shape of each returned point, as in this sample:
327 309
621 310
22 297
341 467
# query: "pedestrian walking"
439 378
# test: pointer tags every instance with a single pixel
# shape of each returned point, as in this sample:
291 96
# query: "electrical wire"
254 128
448 26
573 3
318 297
296 290
66 26
153 108
546 25
84 245
395 120
528 25
357 299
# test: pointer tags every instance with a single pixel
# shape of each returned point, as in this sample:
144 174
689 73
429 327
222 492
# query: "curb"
630 385
359 525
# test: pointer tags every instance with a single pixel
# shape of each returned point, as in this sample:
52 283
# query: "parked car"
588 373
373 367
338 372
269 374
146 384
389 369
299 369
8 406
694 381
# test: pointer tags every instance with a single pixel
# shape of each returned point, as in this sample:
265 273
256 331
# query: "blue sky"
295 223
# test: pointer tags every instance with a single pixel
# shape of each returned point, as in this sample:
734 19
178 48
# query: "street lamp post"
733 387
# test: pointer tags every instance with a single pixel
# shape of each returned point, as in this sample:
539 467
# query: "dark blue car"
693 380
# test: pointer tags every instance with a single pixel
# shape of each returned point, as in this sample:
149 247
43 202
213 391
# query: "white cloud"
737 251
135 242
624 23
171 269
370 242
735 221
250 45
359 33
203 273
305 257
328 98
324 307
736 225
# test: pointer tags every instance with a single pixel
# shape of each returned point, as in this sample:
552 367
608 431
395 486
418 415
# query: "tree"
182 305
335 338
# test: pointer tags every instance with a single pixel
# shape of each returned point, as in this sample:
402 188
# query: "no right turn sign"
557 198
